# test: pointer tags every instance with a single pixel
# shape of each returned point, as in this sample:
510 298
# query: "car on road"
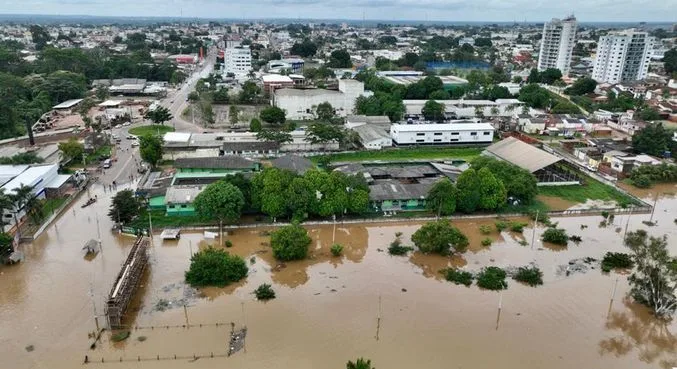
126 124
131 137
107 163
118 126
135 143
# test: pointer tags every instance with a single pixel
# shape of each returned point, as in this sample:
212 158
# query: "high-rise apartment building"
623 56
238 61
557 44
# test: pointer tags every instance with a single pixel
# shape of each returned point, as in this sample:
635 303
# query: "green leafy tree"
220 96
492 191
654 279
534 76
340 59
306 48
290 243
433 111
550 76
150 148
6 247
469 192
273 115
274 136
535 96
124 207
492 278
220 200
255 125
358 201
215 267
299 196
557 236
234 114
670 61
193 96
159 115
649 114
102 92
442 197
582 86
318 133
359 364
519 183
440 95
654 139
439 237
250 92
71 149
268 191
40 36
324 111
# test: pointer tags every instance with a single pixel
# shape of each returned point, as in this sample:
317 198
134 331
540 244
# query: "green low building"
201 171
179 200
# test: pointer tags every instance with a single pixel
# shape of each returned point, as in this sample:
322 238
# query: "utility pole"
98 231
653 209
533 235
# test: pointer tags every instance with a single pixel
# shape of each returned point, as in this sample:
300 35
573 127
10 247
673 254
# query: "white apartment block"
557 44
442 134
238 60
623 57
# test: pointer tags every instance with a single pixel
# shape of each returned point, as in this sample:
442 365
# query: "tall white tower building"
623 56
238 61
557 44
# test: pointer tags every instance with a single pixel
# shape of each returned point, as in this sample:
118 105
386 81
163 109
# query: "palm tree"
495 111
6 203
21 196
359 364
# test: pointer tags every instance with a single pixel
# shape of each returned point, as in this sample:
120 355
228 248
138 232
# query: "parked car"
126 124
118 126
131 137
135 143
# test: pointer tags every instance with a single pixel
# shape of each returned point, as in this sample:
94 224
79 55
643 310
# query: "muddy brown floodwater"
327 309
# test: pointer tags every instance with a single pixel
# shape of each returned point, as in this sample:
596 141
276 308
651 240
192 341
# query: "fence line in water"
122 359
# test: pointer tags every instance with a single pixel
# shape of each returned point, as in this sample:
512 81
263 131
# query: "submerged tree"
359 364
654 280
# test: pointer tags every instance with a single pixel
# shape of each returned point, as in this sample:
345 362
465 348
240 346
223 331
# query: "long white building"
300 103
623 57
238 61
442 134
557 44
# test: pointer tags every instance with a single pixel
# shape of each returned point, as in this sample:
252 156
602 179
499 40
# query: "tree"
274 136
102 92
433 111
670 61
534 76
273 115
654 139
318 133
306 48
492 191
439 237
519 183
550 76
290 242
215 267
159 115
150 147
71 149
40 36
359 364
250 91
649 114
557 236
324 111
535 96
6 203
220 96
582 86
654 279
193 96
233 114
6 244
469 195
339 59
255 125
124 207
220 200
442 196
268 191
439 95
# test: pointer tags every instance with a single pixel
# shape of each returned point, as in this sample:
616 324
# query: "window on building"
473 133
437 140
455 133
438 133
420 141
486 133
184 206
420 134
454 140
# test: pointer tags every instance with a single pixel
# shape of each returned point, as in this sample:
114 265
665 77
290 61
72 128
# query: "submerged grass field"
420 153
591 190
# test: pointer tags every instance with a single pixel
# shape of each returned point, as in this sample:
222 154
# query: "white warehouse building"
238 61
442 134
299 103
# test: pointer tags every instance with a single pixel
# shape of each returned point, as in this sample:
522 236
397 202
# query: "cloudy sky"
447 10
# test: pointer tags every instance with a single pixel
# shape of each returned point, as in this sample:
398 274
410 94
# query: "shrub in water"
215 267
517 226
290 242
558 236
229 243
486 241
458 276
529 275
485 229
575 239
336 249
264 292
501 225
396 248
120 336
492 278
613 260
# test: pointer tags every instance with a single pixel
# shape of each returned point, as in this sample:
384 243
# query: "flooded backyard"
327 309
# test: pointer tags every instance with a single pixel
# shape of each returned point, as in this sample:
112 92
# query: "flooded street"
327 308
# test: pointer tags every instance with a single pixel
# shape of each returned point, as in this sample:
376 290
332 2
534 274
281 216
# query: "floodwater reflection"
639 330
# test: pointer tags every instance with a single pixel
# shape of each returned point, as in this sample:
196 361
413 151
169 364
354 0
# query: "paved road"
124 169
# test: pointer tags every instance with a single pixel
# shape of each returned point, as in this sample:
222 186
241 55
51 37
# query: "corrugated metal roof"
522 154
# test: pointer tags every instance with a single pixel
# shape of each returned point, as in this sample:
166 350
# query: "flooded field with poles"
396 310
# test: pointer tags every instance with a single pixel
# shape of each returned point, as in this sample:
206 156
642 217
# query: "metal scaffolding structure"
126 282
